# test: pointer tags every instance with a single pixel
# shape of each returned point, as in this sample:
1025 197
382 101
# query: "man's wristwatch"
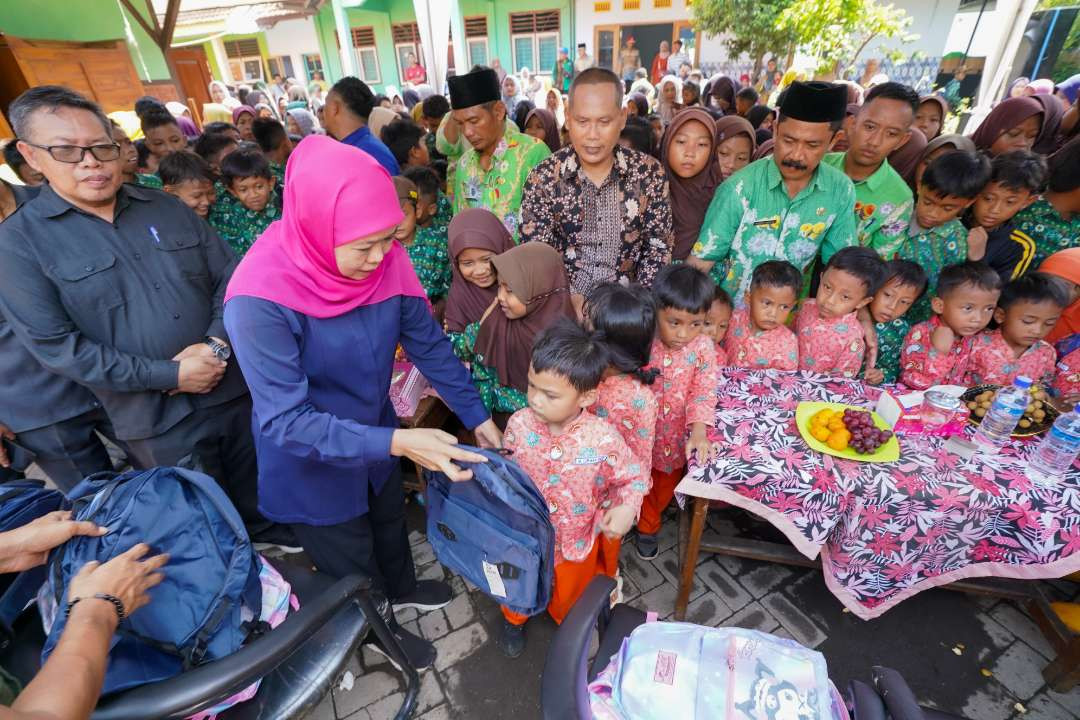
221 350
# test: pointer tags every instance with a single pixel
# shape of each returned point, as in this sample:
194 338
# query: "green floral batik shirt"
238 226
430 255
883 204
496 397
751 219
1042 223
932 250
890 341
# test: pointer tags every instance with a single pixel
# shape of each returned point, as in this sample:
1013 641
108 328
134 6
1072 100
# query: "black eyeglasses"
75 153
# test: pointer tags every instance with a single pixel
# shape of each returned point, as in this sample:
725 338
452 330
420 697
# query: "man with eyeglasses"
120 289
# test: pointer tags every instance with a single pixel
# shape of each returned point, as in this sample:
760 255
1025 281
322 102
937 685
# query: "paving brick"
406 615
764 579
431 693
668 565
457 584
1043 708
668 537
1023 627
999 636
387 708
804 630
324 710
723 584
459 645
661 599
423 554
736 566
753 617
366 690
460 611
440 713
644 575
1069 700
708 609
991 702
372 659
434 625
1019 670
629 589
416 537
433 571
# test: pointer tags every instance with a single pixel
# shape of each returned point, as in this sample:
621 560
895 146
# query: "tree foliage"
837 31
748 26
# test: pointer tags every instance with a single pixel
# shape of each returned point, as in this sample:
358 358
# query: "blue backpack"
495 530
198 612
22 501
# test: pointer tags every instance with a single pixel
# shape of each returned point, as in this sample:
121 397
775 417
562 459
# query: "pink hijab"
334 194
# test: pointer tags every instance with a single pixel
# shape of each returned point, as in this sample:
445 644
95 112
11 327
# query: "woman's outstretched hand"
488 435
434 450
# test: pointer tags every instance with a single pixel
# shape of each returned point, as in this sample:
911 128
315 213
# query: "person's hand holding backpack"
128 577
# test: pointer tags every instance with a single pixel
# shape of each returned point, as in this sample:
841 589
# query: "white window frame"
412 47
544 72
360 64
477 40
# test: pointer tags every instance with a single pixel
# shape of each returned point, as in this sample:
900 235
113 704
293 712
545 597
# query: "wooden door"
102 71
193 72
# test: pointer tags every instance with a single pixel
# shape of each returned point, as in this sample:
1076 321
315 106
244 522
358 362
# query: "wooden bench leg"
689 563
1063 673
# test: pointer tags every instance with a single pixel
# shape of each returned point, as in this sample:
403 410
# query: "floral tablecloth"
884 531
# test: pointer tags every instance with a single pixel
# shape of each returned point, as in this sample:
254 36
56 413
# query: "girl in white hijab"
220 94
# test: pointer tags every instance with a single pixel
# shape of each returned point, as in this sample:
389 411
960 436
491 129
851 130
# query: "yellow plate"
888 452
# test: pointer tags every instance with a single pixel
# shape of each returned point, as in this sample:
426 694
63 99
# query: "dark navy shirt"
320 389
108 304
373 146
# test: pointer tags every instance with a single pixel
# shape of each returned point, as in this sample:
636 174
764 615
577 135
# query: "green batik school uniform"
430 255
932 250
238 226
496 397
890 341
1042 224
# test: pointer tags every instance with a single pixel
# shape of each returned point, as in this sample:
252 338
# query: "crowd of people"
570 277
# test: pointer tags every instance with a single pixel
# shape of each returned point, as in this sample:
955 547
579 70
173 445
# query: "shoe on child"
426 596
648 547
511 639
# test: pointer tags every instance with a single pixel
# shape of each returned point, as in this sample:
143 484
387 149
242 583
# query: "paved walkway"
975 656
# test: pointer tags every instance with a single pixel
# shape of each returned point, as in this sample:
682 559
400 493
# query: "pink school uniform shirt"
581 473
631 408
748 347
922 366
830 346
993 362
685 394
1067 381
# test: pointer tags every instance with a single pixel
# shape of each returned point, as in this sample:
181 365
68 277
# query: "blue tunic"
364 139
320 388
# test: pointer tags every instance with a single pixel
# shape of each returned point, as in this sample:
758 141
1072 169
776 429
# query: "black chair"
567 671
297 661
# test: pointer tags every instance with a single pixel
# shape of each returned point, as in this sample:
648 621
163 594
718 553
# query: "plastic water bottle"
1057 451
1000 421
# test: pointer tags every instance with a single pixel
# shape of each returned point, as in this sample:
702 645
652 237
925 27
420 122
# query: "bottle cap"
1022 381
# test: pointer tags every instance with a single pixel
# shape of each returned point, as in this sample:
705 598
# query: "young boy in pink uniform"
939 350
578 461
758 337
685 390
1027 311
831 340
717 321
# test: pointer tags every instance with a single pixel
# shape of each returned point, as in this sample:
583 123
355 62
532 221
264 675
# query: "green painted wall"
384 42
81 21
325 32
211 59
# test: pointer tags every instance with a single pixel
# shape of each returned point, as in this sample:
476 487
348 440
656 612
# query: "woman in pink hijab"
315 312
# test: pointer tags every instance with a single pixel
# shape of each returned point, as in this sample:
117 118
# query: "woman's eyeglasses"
75 153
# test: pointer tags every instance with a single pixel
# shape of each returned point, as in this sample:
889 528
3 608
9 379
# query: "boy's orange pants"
654 504
571 579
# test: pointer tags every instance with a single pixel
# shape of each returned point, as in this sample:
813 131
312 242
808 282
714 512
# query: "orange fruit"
836 424
821 434
838 440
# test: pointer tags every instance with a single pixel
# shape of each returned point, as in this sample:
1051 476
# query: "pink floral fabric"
884 531
829 346
993 362
922 366
631 408
750 348
685 393
1067 381
581 473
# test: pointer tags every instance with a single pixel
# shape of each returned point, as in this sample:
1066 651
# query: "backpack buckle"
508 571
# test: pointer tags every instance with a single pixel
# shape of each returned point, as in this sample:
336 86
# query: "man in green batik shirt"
883 201
491 173
785 207
1054 221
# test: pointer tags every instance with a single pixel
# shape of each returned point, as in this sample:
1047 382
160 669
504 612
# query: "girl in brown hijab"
905 158
1053 113
533 294
735 144
1013 125
542 125
474 237
930 118
721 93
687 150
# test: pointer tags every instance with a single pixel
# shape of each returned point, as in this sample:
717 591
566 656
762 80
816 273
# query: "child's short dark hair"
639 134
624 318
748 93
972 272
179 167
567 350
143 152
435 106
906 273
863 263
959 174
1019 170
778 274
146 104
441 168
269 133
155 118
426 180
401 136
683 287
1062 174
218 127
210 144
720 295
244 162
1034 287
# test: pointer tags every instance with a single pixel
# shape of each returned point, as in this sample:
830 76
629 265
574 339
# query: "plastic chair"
567 671
297 661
